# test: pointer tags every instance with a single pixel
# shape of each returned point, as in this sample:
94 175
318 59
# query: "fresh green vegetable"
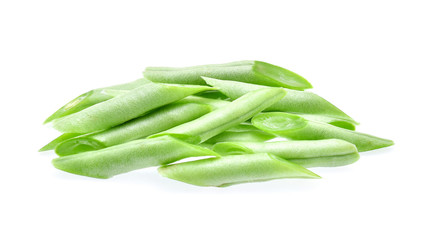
243 71
215 94
221 119
137 154
298 102
229 170
125 107
297 128
214 103
63 137
241 133
93 97
306 153
159 120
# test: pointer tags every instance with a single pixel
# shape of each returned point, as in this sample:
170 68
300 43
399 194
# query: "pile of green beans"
250 121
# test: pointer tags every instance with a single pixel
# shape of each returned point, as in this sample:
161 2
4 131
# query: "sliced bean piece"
137 154
256 72
229 170
298 102
330 120
306 153
214 103
221 119
295 127
93 97
159 120
213 95
124 107
63 137
241 133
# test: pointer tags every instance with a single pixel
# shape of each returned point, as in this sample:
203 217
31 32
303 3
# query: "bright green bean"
93 97
241 133
297 102
124 107
221 119
159 120
137 154
297 128
214 103
229 170
243 71
63 137
306 153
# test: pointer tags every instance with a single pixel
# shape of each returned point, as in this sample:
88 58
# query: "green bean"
63 137
229 170
214 103
306 153
241 133
309 104
124 107
137 154
159 120
243 71
297 128
221 119
93 97
350 125
215 94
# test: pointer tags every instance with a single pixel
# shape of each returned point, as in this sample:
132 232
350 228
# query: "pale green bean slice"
295 127
256 72
221 119
93 97
297 102
159 120
63 137
306 153
229 170
126 157
214 103
241 133
124 107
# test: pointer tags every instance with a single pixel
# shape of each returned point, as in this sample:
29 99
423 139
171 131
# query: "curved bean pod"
93 97
111 161
124 107
297 102
241 133
159 120
295 127
306 153
214 103
256 72
229 170
63 137
221 119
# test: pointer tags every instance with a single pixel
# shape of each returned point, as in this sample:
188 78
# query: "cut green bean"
63 137
350 125
297 102
213 95
297 128
124 107
243 71
221 119
159 120
241 133
306 153
214 103
137 154
93 97
229 170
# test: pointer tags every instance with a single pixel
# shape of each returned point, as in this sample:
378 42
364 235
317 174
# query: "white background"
370 58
